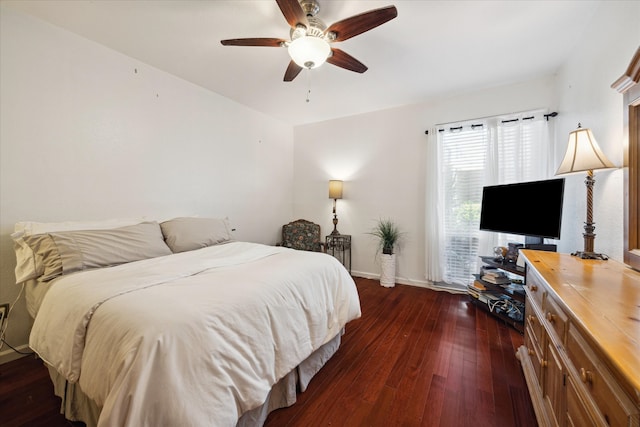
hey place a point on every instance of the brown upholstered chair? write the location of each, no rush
(302, 235)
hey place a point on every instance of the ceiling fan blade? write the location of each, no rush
(358, 24)
(346, 61)
(293, 12)
(292, 71)
(268, 42)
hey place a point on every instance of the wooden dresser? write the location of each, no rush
(581, 354)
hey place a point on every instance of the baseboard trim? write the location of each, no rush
(9, 355)
(411, 282)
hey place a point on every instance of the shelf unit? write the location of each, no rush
(339, 246)
(493, 291)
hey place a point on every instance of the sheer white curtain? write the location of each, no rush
(462, 158)
(433, 211)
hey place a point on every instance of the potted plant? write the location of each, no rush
(388, 235)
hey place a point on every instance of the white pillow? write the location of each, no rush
(26, 264)
(65, 252)
(188, 233)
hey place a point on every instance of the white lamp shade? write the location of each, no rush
(309, 51)
(335, 189)
(583, 154)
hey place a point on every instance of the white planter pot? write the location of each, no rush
(388, 270)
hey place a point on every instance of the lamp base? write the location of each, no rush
(590, 255)
(335, 231)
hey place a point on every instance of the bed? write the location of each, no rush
(175, 323)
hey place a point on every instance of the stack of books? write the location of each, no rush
(479, 291)
(496, 277)
(477, 287)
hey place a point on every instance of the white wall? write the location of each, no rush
(88, 133)
(381, 155)
(585, 96)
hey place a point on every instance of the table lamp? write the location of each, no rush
(584, 154)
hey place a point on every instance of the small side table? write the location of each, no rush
(339, 246)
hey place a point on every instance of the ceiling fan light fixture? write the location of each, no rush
(310, 38)
(309, 51)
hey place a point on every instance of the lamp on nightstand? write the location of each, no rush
(335, 193)
(584, 154)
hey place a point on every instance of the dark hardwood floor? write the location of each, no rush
(416, 358)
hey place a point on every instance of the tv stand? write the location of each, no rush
(509, 266)
(533, 240)
(486, 295)
(543, 247)
(537, 244)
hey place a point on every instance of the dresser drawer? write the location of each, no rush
(533, 323)
(534, 351)
(556, 318)
(535, 287)
(615, 408)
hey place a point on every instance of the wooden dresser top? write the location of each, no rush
(603, 298)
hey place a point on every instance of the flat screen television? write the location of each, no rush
(531, 209)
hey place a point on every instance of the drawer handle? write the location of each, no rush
(586, 376)
(531, 352)
(544, 363)
(532, 318)
(550, 317)
(533, 288)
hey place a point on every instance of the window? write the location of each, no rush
(471, 155)
(462, 155)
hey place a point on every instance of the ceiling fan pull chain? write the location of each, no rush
(308, 85)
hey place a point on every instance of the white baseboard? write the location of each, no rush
(411, 282)
(8, 355)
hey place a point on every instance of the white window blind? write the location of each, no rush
(499, 150)
(463, 156)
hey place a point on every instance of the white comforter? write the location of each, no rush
(196, 338)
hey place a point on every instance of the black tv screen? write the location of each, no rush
(527, 208)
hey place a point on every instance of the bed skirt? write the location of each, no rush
(76, 406)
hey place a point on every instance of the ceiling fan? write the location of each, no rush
(309, 46)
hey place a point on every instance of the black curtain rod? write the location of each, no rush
(546, 116)
(516, 120)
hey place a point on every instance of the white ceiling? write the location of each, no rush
(432, 49)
